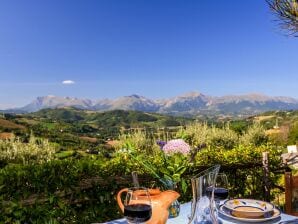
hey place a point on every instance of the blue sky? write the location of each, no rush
(155, 48)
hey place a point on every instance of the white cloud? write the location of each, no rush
(68, 82)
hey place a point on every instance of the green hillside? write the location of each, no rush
(115, 118)
(80, 129)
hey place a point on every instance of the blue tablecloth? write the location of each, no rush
(186, 210)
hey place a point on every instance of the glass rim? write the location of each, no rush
(212, 169)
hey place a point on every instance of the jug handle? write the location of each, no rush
(119, 201)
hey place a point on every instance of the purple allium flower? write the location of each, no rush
(161, 143)
(175, 146)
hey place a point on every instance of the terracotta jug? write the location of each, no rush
(160, 202)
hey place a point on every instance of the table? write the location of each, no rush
(185, 210)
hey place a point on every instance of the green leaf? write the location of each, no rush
(171, 169)
(51, 199)
(183, 186)
(61, 204)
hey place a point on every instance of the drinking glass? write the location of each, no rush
(221, 191)
(137, 205)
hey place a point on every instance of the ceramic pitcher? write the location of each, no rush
(160, 201)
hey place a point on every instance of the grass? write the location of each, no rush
(65, 154)
(50, 126)
(28, 121)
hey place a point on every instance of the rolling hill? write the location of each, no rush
(72, 127)
(9, 125)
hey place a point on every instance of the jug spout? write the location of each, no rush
(160, 204)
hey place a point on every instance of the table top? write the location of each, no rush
(185, 211)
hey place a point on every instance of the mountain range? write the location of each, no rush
(193, 103)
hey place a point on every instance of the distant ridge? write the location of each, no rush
(56, 102)
(193, 103)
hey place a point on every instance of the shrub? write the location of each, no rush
(195, 133)
(57, 193)
(224, 137)
(200, 133)
(255, 135)
(35, 151)
(138, 140)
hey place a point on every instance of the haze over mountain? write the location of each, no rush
(192, 103)
(55, 102)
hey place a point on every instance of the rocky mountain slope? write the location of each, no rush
(192, 103)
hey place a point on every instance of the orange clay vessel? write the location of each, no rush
(160, 201)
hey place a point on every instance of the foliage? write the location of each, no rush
(65, 154)
(197, 134)
(35, 151)
(223, 146)
(239, 126)
(255, 135)
(224, 137)
(287, 13)
(56, 192)
(293, 135)
(139, 140)
(241, 155)
(167, 165)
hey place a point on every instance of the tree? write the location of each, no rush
(287, 13)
